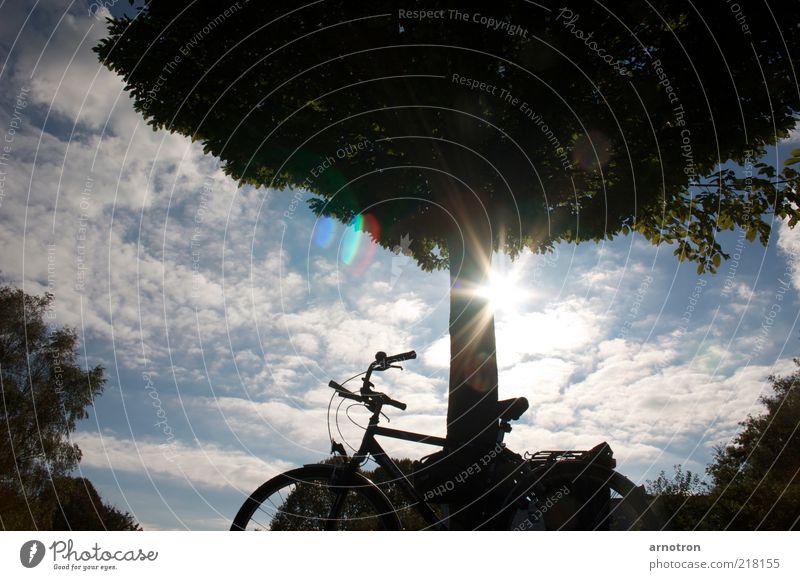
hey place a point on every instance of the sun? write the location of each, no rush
(503, 291)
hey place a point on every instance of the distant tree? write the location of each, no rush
(756, 479)
(307, 504)
(460, 137)
(681, 501)
(409, 518)
(78, 506)
(45, 393)
(682, 483)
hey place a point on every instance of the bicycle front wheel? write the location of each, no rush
(580, 496)
(309, 499)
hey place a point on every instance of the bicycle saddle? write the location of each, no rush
(511, 409)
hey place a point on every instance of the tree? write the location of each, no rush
(757, 477)
(755, 480)
(307, 504)
(681, 501)
(44, 394)
(78, 506)
(469, 128)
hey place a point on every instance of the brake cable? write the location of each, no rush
(328, 415)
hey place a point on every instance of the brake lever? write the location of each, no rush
(387, 367)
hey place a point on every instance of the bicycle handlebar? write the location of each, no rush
(369, 398)
(401, 357)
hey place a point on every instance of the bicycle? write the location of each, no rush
(538, 491)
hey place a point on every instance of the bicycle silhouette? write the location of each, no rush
(545, 490)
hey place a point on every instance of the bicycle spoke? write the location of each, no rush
(261, 509)
(263, 527)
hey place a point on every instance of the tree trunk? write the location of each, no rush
(471, 410)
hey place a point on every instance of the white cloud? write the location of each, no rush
(201, 465)
(437, 355)
(789, 246)
(568, 326)
(542, 380)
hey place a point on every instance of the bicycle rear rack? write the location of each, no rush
(600, 455)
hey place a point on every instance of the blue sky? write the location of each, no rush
(220, 320)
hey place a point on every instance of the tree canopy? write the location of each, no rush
(548, 123)
(45, 392)
(454, 129)
(757, 476)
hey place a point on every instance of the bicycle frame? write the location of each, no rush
(371, 447)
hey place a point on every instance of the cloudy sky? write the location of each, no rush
(220, 320)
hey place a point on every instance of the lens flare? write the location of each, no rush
(325, 232)
(358, 247)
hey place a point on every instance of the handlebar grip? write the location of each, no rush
(393, 403)
(340, 389)
(402, 356)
